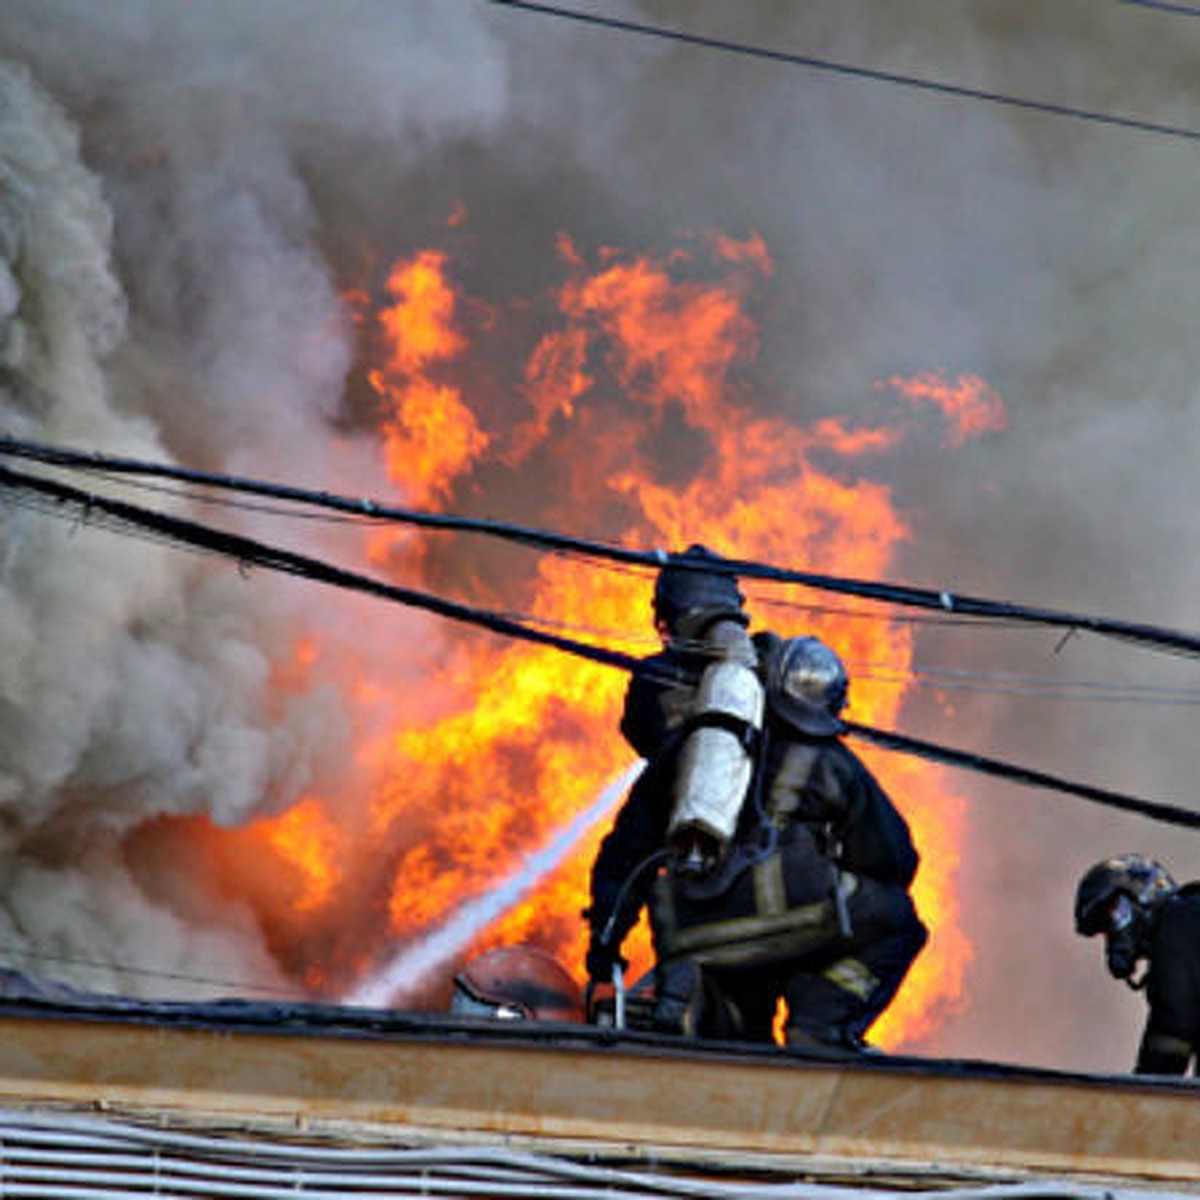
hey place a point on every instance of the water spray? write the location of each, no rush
(413, 964)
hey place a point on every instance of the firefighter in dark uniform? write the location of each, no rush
(808, 902)
(701, 619)
(1146, 918)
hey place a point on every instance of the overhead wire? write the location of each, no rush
(935, 752)
(1187, 10)
(252, 552)
(942, 601)
(367, 511)
(193, 495)
(248, 551)
(993, 684)
(196, 496)
(941, 678)
(817, 63)
(955, 620)
(10, 951)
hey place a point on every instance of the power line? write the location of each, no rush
(150, 972)
(988, 683)
(1186, 9)
(87, 506)
(943, 601)
(83, 505)
(194, 496)
(1167, 813)
(993, 684)
(849, 69)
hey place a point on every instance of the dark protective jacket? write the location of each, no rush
(825, 807)
(821, 783)
(658, 701)
(657, 704)
(817, 838)
(1172, 1034)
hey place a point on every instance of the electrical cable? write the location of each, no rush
(988, 683)
(192, 496)
(1167, 813)
(149, 972)
(998, 684)
(1187, 10)
(940, 600)
(854, 614)
(249, 551)
(822, 64)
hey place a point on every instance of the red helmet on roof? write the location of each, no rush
(517, 982)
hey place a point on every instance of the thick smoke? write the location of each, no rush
(185, 190)
(163, 294)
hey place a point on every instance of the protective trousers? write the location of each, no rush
(727, 956)
(834, 997)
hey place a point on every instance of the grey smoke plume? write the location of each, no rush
(167, 298)
(131, 684)
(184, 189)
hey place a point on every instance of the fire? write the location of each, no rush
(969, 405)
(635, 398)
(430, 435)
(305, 837)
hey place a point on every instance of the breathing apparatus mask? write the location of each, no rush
(1125, 938)
(1119, 898)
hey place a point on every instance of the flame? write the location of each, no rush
(969, 405)
(305, 837)
(430, 435)
(635, 408)
(526, 734)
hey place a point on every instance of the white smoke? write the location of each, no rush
(135, 680)
(184, 187)
(131, 684)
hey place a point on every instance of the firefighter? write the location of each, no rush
(808, 904)
(700, 617)
(1147, 919)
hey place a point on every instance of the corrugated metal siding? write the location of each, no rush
(63, 1156)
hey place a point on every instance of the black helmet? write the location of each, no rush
(680, 589)
(806, 682)
(1144, 881)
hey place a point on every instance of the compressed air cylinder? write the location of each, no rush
(715, 764)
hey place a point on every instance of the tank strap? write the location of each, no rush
(790, 781)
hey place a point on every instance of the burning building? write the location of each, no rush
(417, 253)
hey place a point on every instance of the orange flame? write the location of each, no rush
(969, 405)
(305, 837)
(431, 436)
(636, 393)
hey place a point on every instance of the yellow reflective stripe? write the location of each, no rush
(818, 917)
(1166, 1043)
(770, 894)
(790, 780)
(852, 975)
